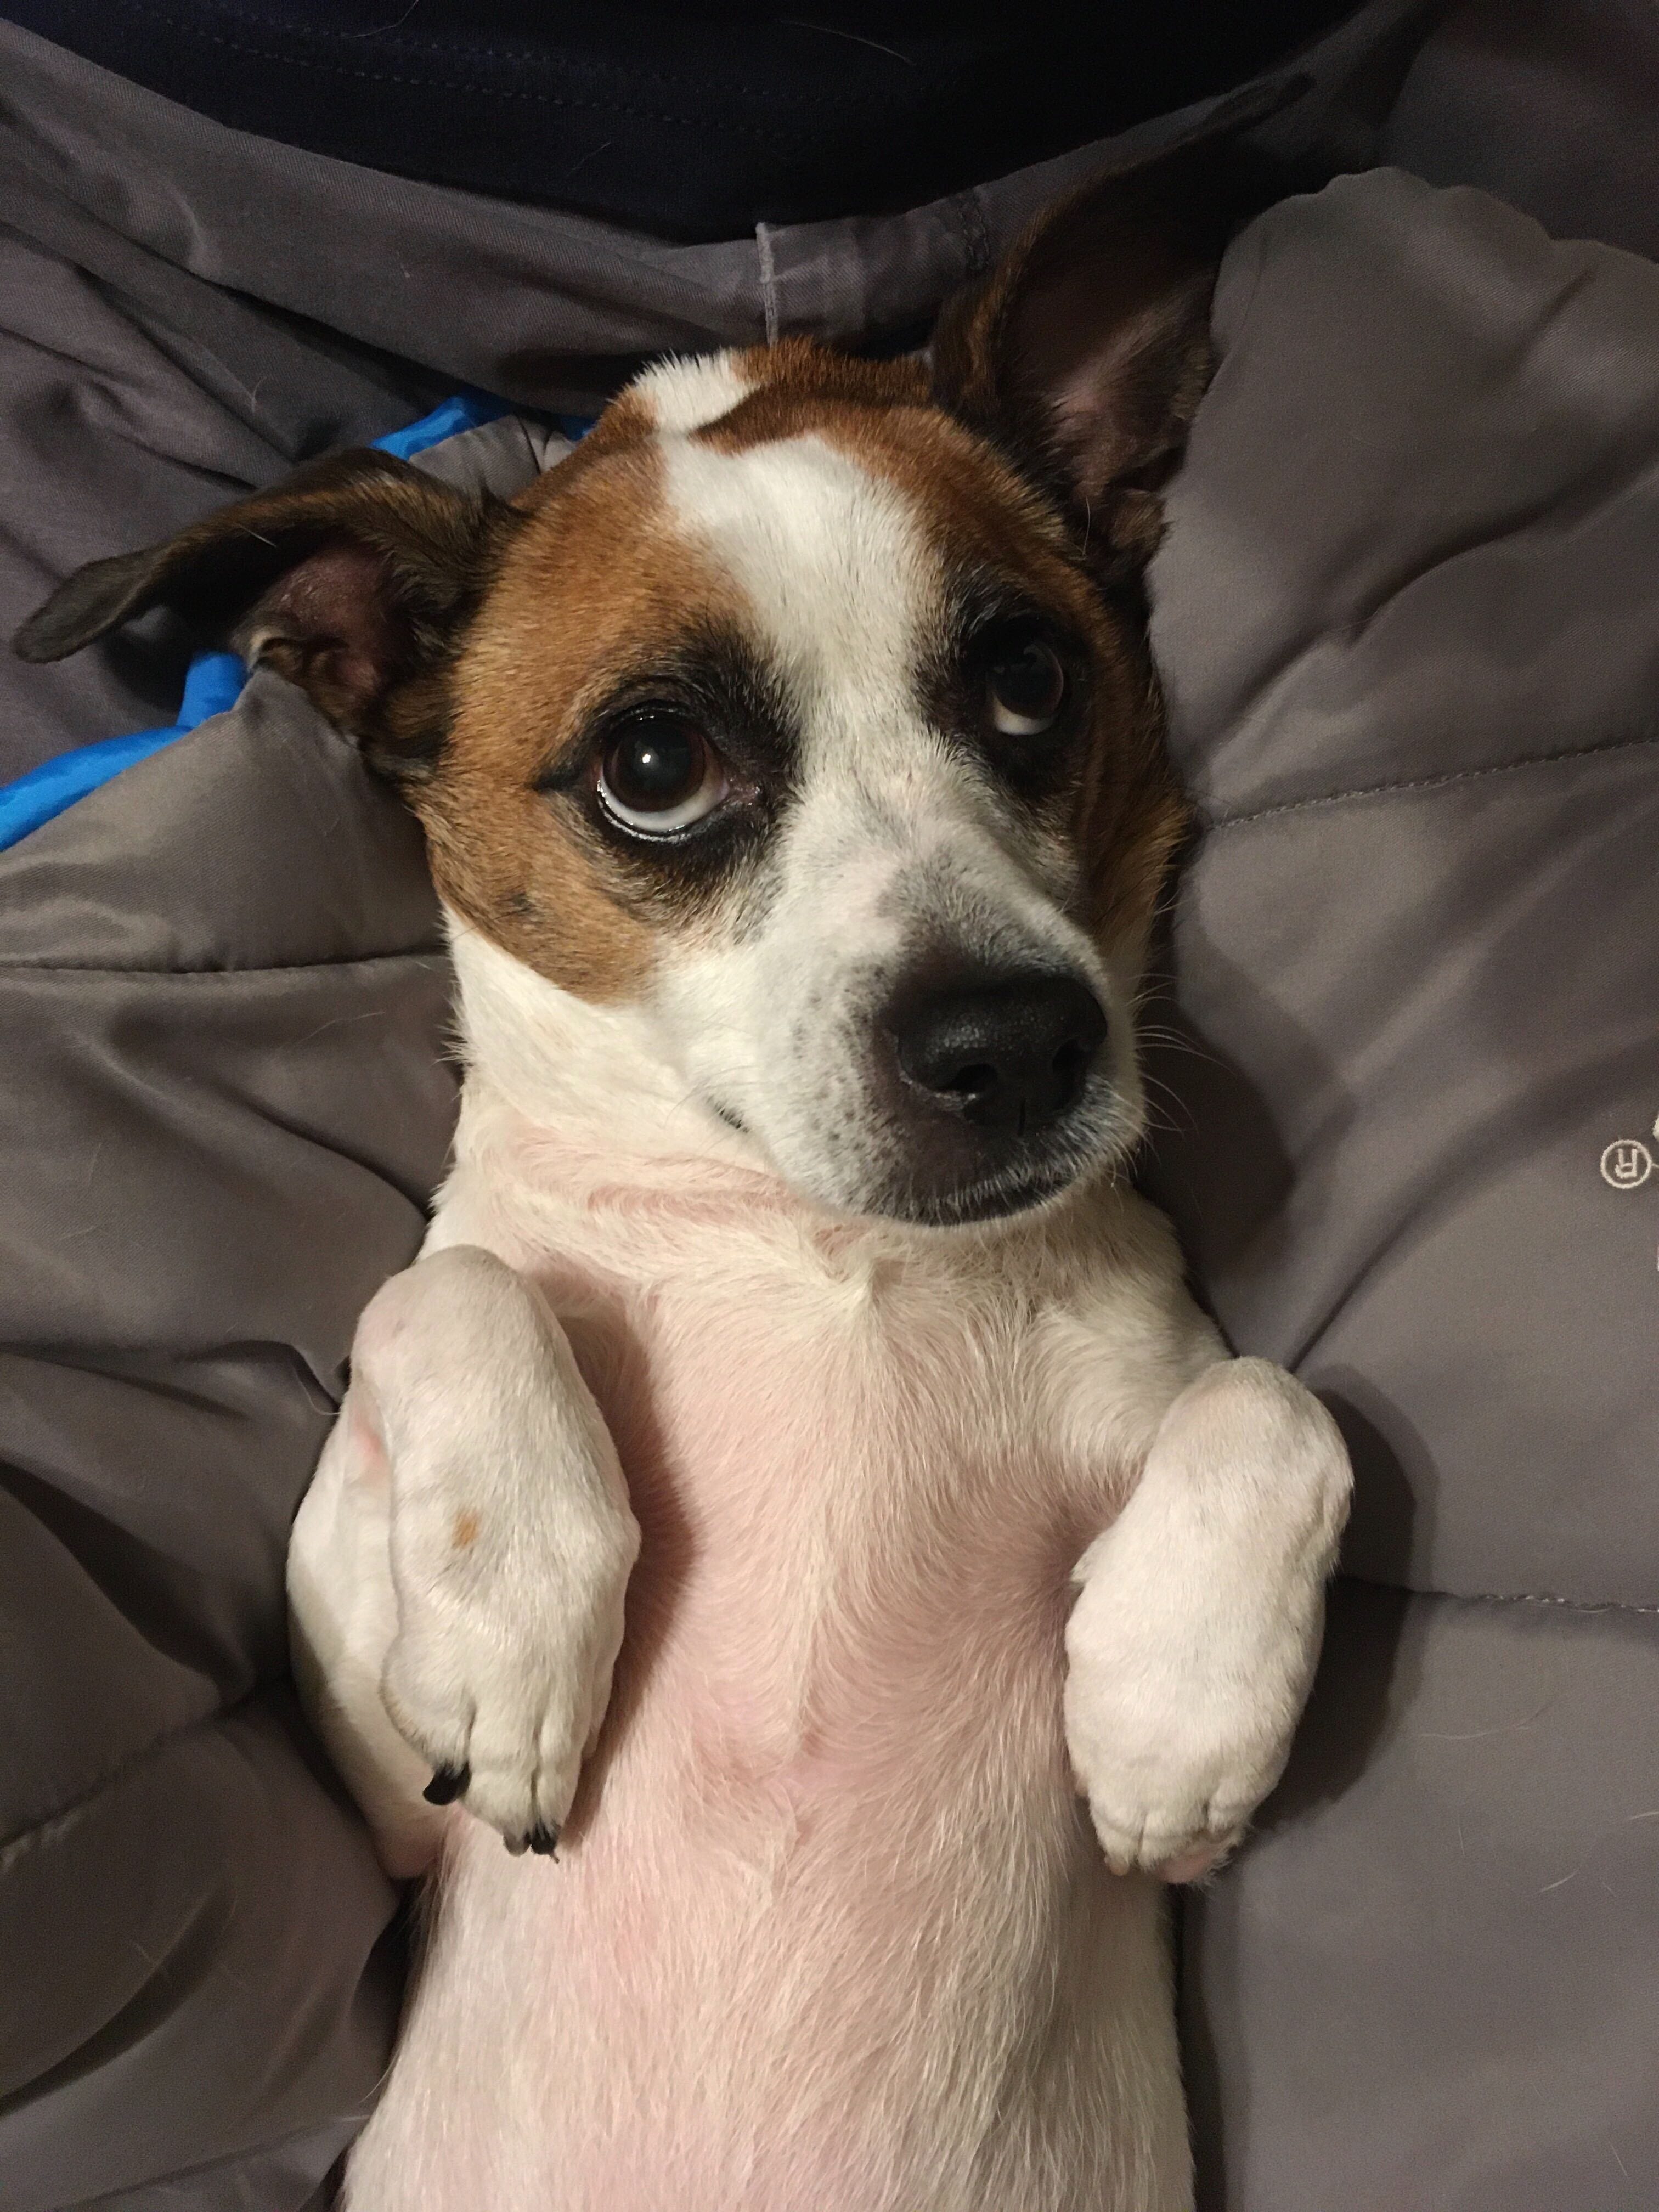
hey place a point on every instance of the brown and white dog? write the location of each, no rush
(794, 1471)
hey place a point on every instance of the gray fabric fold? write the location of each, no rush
(222, 1002)
(1407, 626)
(235, 1989)
(1432, 1984)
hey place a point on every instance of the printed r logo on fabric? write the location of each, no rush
(1627, 1164)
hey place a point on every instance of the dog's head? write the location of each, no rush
(805, 711)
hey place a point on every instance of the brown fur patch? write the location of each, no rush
(801, 369)
(596, 587)
(464, 1534)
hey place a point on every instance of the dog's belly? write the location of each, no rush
(828, 1926)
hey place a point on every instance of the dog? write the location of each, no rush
(793, 1499)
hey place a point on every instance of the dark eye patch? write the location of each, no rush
(708, 702)
(1010, 680)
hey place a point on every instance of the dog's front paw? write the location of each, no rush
(1172, 1758)
(1191, 1644)
(500, 1673)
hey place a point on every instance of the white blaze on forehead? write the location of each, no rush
(683, 395)
(841, 584)
(831, 559)
(896, 846)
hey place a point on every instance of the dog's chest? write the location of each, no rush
(827, 1880)
(858, 1520)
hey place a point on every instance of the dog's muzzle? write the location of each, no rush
(986, 1076)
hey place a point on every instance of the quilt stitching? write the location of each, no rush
(1432, 782)
(1508, 1597)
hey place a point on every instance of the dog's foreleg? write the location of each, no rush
(1196, 1628)
(457, 1568)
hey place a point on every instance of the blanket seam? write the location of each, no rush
(1506, 1597)
(1215, 821)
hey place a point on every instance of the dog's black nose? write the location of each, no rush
(1009, 1053)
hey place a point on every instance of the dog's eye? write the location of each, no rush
(659, 774)
(1025, 682)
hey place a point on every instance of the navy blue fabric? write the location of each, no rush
(693, 122)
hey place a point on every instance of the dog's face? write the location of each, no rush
(793, 720)
(805, 712)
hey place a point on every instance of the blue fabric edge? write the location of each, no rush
(215, 680)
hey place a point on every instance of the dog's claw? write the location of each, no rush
(543, 1839)
(448, 1783)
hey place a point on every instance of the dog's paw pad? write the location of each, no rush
(1195, 1864)
(1176, 1847)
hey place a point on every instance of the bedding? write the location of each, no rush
(1407, 619)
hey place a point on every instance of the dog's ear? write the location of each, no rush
(1085, 354)
(354, 579)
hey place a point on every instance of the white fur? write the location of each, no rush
(682, 395)
(438, 1516)
(1191, 1647)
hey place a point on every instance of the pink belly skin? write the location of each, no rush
(829, 1928)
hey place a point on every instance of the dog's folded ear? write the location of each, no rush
(1085, 354)
(354, 579)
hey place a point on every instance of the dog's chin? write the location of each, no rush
(968, 1205)
(1029, 1189)
(916, 1193)
(935, 1194)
